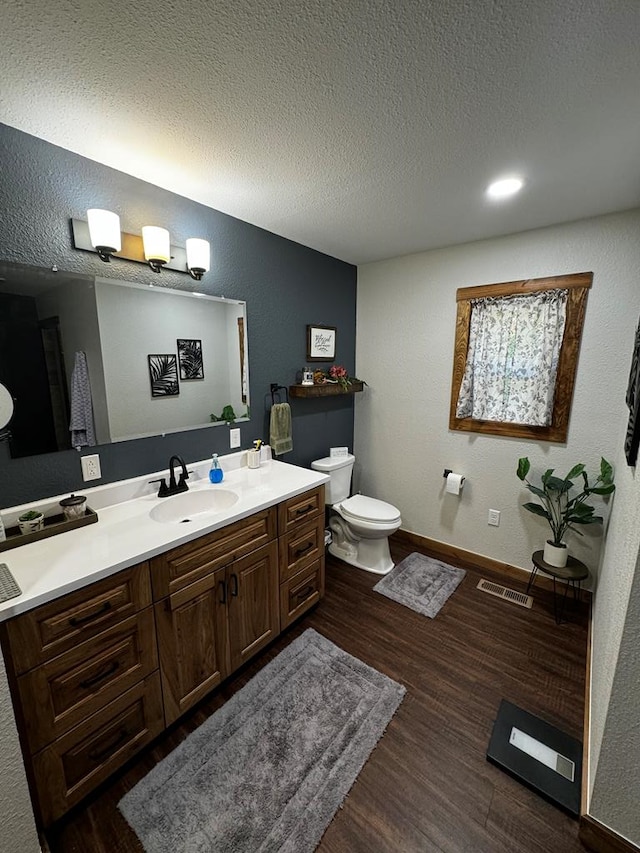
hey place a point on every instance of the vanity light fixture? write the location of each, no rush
(198, 257)
(157, 246)
(104, 232)
(100, 233)
(504, 188)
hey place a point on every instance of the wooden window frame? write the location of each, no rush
(578, 285)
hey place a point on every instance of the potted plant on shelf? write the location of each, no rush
(562, 510)
(31, 521)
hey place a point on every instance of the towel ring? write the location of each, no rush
(275, 393)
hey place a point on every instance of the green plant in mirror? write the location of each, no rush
(227, 415)
(562, 510)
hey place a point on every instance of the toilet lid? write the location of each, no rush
(370, 509)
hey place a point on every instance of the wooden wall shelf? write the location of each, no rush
(323, 390)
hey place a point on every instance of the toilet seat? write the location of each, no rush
(362, 508)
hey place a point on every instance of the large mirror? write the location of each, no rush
(136, 360)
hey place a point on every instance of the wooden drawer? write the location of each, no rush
(72, 766)
(194, 560)
(301, 546)
(299, 509)
(299, 593)
(49, 630)
(62, 692)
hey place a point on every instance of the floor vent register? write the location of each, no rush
(505, 593)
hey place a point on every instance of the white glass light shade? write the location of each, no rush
(504, 188)
(156, 242)
(104, 230)
(198, 256)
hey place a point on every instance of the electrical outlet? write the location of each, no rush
(494, 518)
(234, 438)
(91, 467)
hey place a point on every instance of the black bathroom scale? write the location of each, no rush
(539, 755)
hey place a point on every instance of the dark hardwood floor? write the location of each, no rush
(427, 785)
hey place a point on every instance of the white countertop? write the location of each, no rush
(125, 534)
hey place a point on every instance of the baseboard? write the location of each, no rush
(586, 726)
(600, 839)
(469, 560)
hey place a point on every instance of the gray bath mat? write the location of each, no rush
(421, 583)
(269, 769)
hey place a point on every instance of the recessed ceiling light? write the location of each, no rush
(504, 187)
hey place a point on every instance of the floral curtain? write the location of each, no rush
(512, 359)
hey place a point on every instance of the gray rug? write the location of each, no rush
(421, 583)
(269, 769)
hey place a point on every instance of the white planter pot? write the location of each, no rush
(555, 555)
(31, 525)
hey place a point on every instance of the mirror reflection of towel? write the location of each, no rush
(280, 429)
(81, 427)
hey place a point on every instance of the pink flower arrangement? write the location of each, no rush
(338, 372)
(336, 375)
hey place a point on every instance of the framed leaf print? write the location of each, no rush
(190, 358)
(163, 374)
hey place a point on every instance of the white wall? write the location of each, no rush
(616, 781)
(18, 830)
(405, 340)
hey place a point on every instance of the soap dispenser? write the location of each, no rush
(215, 472)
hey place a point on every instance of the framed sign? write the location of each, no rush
(321, 343)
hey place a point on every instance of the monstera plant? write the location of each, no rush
(563, 503)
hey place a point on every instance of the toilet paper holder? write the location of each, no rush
(456, 487)
(448, 471)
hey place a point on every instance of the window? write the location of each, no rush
(516, 356)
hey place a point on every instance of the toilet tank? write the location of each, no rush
(339, 469)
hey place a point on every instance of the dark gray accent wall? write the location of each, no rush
(286, 286)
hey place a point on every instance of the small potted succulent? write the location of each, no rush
(31, 521)
(562, 510)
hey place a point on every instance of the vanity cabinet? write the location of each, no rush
(84, 670)
(98, 673)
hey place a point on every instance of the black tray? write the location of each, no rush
(53, 524)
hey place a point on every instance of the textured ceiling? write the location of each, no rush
(366, 130)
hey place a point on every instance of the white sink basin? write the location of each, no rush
(187, 506)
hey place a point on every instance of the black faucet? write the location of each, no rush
(173, 488)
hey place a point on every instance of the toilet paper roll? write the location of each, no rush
(455, 482)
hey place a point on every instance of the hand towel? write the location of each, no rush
(81, 425)
(280, 429)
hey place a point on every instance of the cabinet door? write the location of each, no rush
(254, 613)
(73, 765)
(182, 566)
(53, 628)
(192, 639)
(301, 592)
(299, 509)
(300, 547)
(64, 691)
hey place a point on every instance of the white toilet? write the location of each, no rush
(360, 526)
